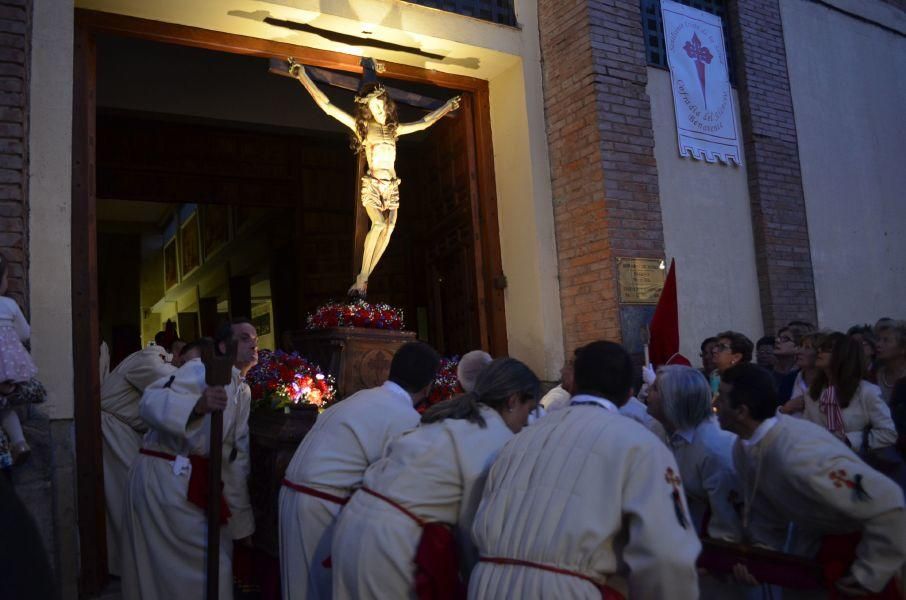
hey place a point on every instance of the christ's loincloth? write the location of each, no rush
(382, 194)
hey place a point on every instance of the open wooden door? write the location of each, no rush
(459, 270)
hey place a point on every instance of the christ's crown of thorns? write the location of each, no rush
(378, 90)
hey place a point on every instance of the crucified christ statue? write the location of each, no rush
(375, 128)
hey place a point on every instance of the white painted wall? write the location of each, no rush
(527, 243)
(848, 82)
(707, 229)
(50, 201)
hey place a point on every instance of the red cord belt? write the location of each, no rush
(421, 522)
(607, 592)
(303, 489)
(198, 482)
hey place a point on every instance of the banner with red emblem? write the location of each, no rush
(702, 97)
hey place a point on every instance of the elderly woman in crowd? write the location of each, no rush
(423, 494)
(680, 398)
(842, 401)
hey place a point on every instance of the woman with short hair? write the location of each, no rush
(425, 491)
(731, 349)
(681, 399)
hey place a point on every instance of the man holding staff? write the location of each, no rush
(164, 520)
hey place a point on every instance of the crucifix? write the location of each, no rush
(374, 128)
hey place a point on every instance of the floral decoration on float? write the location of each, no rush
(446, 384)
(282, 380)
(356, 313)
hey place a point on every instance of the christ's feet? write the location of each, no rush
(359, 289)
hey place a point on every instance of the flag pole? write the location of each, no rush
(646, 338)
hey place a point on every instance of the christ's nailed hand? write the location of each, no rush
(212, 399)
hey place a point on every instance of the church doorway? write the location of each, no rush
(205, 188)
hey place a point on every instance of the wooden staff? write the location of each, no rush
(218, 371)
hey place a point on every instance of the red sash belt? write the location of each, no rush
(436, 558)
(607, 592)
(198, 482)
(302, 489)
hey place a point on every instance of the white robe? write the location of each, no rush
(347, 438)
(556, 399)
(164, 535)
(798, 472)
(437, 472)
(590, 491)
(121, 431)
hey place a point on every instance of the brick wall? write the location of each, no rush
(604, 175)
(14, 28)
(782, 249)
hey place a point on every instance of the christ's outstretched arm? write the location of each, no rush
(431, 118)
(298, 71)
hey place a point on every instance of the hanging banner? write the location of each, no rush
(702, 98)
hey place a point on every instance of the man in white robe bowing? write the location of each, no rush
(165, 520)
(586, 503)
(122, 429)
(846, 514)
(330, 464)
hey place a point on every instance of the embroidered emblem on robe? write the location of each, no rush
(840, 480)
(672, 478)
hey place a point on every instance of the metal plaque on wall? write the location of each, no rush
(641, 279)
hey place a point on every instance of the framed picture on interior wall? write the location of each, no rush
(215, 228)
(189, 245)
(171, 270)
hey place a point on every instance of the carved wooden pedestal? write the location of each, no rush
(274, 439)
(359, 358)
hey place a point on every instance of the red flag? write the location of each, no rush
(664, 329)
